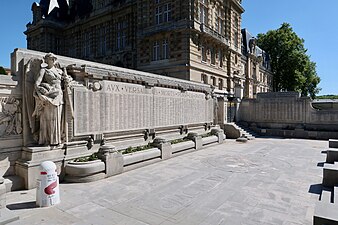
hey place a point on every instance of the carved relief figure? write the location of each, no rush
(10, 116)
(49, 102)
(47, 91)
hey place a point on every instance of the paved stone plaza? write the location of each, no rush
(265, 181)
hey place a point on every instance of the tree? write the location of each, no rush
(2, 70)
(292, 68)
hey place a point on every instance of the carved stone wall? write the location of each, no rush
(122, 106)
(10, 124)
(287, 110)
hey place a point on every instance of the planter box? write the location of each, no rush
(209, 140)
(81, 172)
(182, 146)
(141, 156)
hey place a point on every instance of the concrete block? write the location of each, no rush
(197, 139)
(330, 175)
(333, 143)
(198, 143)
(332, 155)
(114, 164)
(166, 150)
(219, 133)
(164, 146)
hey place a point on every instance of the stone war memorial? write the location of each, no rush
(60, 109)
(286, 114)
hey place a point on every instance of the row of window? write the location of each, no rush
(163, 13)
(219, 19)
(102, 38)
(160, 50)
(213, 81)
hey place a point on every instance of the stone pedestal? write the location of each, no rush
(28, 166)
(219, 133)
(164, 146)
(113, 160)
(6, 216)
(197, 139)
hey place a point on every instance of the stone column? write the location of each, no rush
(197, 139)
(164, 146)
(112, 158)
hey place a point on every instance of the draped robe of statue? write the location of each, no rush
(48, 107)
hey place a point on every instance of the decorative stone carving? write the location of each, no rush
(47, 90)
(10, 117)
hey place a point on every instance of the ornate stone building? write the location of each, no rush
(197, 40)
(256, 67)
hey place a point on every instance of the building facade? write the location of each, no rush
(197, 40)
(256, 67)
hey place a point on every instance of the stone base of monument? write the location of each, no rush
(333, 143)
(6, 216)
(28, 166)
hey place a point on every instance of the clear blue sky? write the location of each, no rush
(314, 21)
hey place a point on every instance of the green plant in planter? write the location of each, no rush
(176, 141)
(206, 135)
(92, 157)
(136, 149)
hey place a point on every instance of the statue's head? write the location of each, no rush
(50, 59)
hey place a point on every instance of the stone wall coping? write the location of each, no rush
(103, 71)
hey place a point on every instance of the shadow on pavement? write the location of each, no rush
(22, 205)
(316, 189)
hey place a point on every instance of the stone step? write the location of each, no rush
(247, 131)
(335, 195)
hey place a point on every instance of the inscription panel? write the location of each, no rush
(122, 106)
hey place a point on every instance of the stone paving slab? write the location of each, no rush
(266, 181)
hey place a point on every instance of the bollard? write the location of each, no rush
(47, 191)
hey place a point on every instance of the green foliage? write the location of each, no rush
(2, 70)
(292, 68)
(136, 149)
(92, 157)
(178, 141)
(327, 97)
(206, 135)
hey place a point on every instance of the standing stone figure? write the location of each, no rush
(49, 102)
